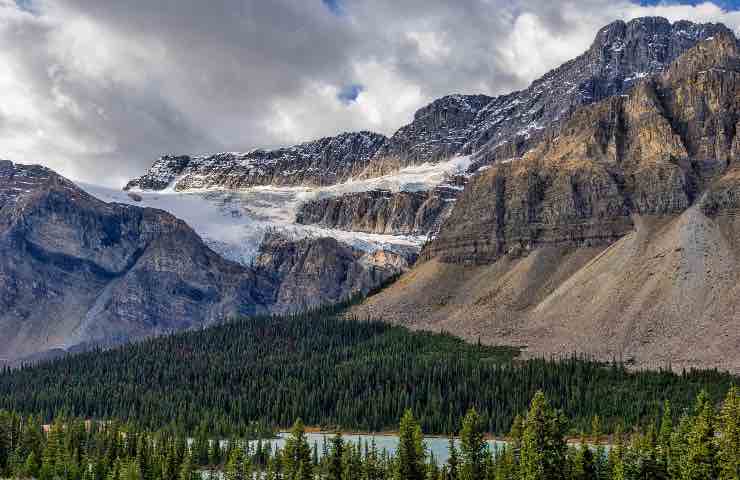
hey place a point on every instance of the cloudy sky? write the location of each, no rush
(98, 88)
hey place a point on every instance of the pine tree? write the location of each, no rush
(515, 439)
(473, 447)
(5, 440)
(186, 468)
(505, 464)
(410, 454)
(584, 467)
(234, 466)
(453, 473)
(701, 455)
(543, 442)
(729, 437)
(664, 436)
(297, 463)
(335, 458)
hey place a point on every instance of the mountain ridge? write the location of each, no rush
(488, 127)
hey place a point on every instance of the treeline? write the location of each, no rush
(359, 375)
(703, 445)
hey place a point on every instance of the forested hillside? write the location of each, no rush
(336, 373)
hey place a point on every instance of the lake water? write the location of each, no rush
(436, 445)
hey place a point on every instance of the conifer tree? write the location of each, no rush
(186, 468)
(335, 458)
(663, 447)
(543, 442)
(234, 466)
(729, 437)
(410, 454)
(453, 472)
(701, 456)
(472, 447)
(297, 462)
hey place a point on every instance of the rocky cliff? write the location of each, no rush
(322, 162)
(652, 152)
(382, 211)
(75, 271)
(323, 268)
(616, 235)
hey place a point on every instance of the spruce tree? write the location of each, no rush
(335, 458)
(297, 462)
(543, 442)
(410, 455)
(453, 461)
(701, 456)
(729, 437)
(472, 447)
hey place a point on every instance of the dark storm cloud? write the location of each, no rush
(97, 89)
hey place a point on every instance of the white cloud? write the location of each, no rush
(97, 89)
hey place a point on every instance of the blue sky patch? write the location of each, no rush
(334, 6)
(26, 5)
(349, 93)
(726, 4)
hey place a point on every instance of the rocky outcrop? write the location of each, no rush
(322, 162)
(651, 152)
(323, 268)
(76, 271)
(437, 132)
(381, 211)
(617, 236)
(507, 126)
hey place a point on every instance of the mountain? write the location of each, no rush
(487, 127)
(506, 126)
(76, 271)
(478, 128)
(616, 235)
(564, 217)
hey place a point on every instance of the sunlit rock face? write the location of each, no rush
(652, 152)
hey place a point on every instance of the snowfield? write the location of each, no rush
(233, 223)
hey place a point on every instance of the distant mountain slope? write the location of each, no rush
(76, 271)
(617, 235)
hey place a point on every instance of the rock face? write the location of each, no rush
(322, 162)
(616, 236)
(507, 126)
(323, 268)
(75, 271)
(381, 211)
(651, 152)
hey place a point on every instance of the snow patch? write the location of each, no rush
(234, 223)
